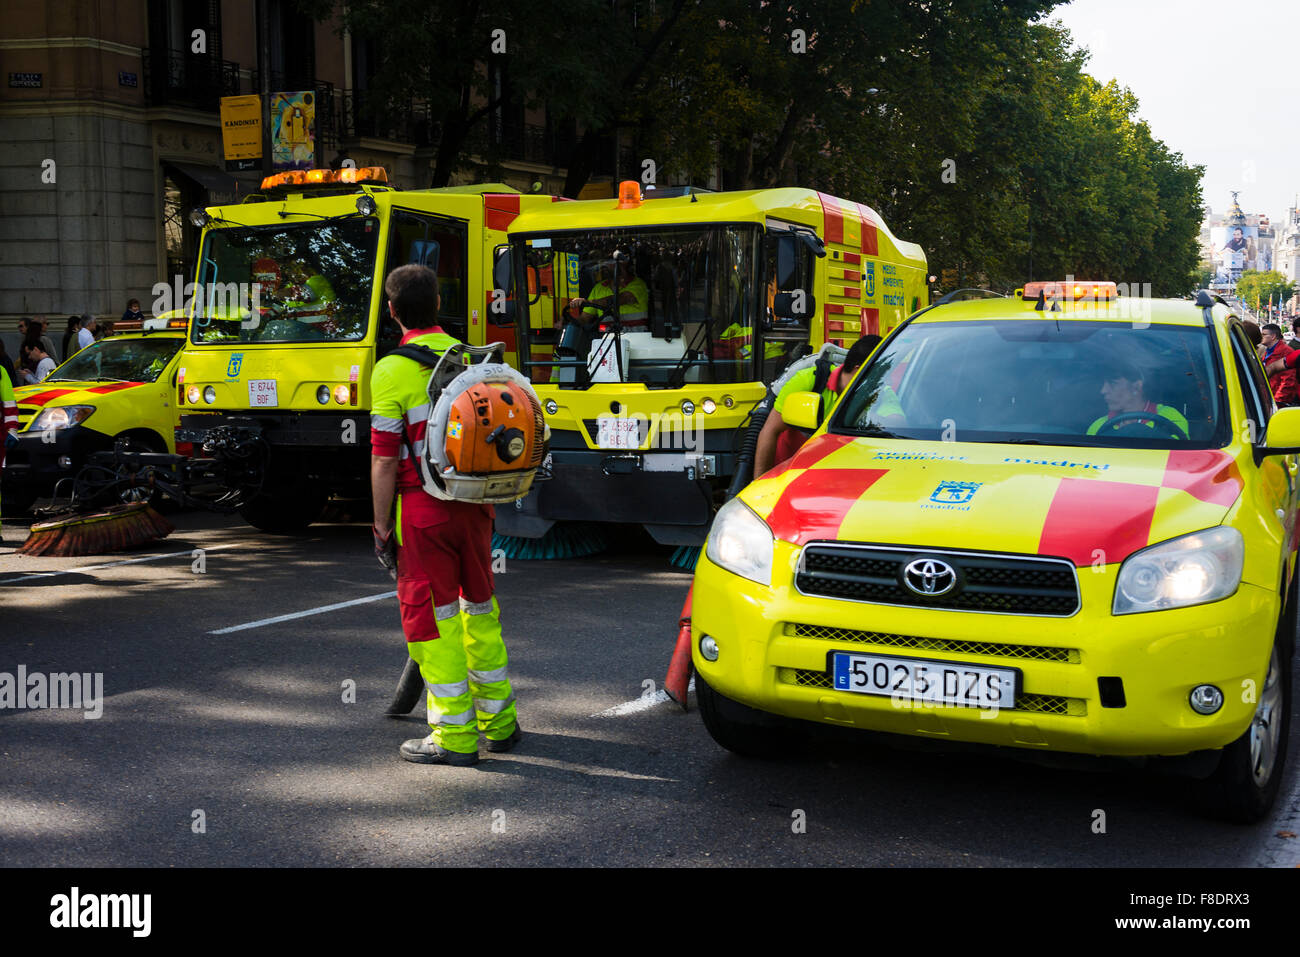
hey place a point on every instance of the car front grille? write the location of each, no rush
(1035, 703)
(952, 646)
(999, 584)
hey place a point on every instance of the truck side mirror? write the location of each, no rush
(799, 304)
(787, 260)
(501, 311)
(503, 268)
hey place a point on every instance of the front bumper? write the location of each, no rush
(775, 643)
(37, 464)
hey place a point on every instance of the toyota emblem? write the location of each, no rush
(929, 577)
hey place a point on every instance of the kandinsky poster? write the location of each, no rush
(293, 130)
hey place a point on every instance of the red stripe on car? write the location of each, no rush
(1090, 520)
(1204, 474)
(813, 506)
(114, 387)
(41, 398)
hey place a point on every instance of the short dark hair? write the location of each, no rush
(859, 351)
(1252, 331)
(1272, 327)
(1118, 368)
(413, 291)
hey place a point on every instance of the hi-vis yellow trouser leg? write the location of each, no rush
(453, 630)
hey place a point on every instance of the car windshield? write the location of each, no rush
(307, 282)
(120, 360)
(1085, 383)
(663, 306)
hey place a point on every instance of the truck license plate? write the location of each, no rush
(918, 679)
(617, 432)
(261, 394)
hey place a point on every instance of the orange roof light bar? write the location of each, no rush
(1079, 289)
(629, 194)
(349, 174)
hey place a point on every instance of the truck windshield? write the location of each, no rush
(119, 360)
(663, 306)
(1042, 382)
(307, 282)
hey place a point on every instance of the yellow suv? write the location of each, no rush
(1061, 522)
(121, 387)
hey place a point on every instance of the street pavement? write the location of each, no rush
(223, 745)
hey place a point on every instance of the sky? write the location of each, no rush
(1217, 81)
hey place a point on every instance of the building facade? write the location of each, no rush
(113, 134)
(1235, 241)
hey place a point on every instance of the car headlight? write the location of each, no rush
(62, 417)
(1191, 570)
(741, 543)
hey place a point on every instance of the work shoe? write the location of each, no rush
(506, 744)
(425, 751)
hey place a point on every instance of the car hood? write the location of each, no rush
(1089, 505)
(70, 393)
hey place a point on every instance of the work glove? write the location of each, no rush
(386, 550)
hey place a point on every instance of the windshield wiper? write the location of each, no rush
(875, 431)
(108, 379)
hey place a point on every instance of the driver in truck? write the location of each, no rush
(1123, 391)
(633, 297)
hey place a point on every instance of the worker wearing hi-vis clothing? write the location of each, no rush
(8, 417)
(1125, 401)
(633, 299)
(443, 551)
(777, 441)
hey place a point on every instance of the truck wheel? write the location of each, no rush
(1244, 786)
(740, 728)
(284, 513)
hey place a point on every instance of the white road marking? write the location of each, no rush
(128, 561)
(303, 614)
(643, 703)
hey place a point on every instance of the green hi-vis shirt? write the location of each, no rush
(803, 381)
(632, 313)
(1164, 411)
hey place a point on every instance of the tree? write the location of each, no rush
(464, 59)
(1257, 289)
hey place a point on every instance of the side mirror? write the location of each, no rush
(803, 409)
(503, 270)
(1282, 437)
(800, 304)
(786, 260)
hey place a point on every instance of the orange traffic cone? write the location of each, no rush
(679, 668)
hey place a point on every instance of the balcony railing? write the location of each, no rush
(186, 79)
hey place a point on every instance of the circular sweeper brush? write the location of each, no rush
(111, 530)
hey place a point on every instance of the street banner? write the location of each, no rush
(293, 130)
(241, 131)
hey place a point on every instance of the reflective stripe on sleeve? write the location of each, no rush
(385, 423)
(419, 413)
